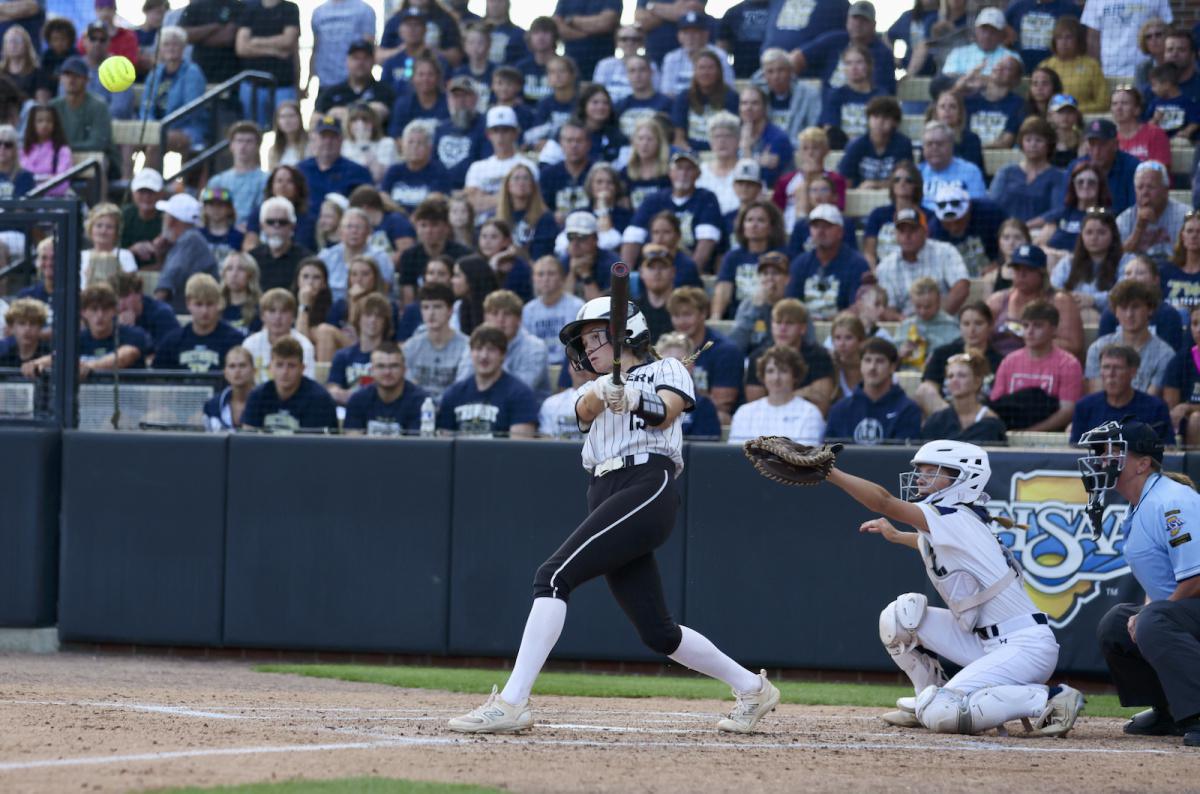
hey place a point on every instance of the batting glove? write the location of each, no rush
(617, 399)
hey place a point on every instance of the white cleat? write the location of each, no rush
(901, 719)
(495, 716)
(1061, 712)
(907, 704)
(751, 707)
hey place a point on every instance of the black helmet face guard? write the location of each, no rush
(576, 350)
(1103, 466)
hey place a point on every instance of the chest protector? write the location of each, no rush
(962, 591)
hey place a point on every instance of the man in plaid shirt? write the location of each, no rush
(920, 257)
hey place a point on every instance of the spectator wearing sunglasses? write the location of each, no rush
(1115, 166)
(278, 255)
(970, 225)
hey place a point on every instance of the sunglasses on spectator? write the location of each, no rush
(277, 222)
(98, 38)
(1085, 180)
(1155, 34)
(1098, 212)
(8, 144)
(898, 179)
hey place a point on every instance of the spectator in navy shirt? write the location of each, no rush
(997, 110)
(1118, 399)
(971, 225)
(98, 307)
(697, 209)
(201, 345)
(793, 23)
(134, 307)
(372, 320)
(790, 328)
(360, 86)
(1033, 22)
(562, 184)
(870, 159)
(459, 141)
(718, 371)
(508, 40)
(542, 40)
(327, 171)
(1115, 166)
(290, 401)
(410, 182)
(822, 57)
(877, 410)
(1166, 322)
(441, 30)
(391, 405)
(742, 32)
(708, 94)
(490, 401)
(1181, 384)
(643, 99)
(587, 28)
(828, 277)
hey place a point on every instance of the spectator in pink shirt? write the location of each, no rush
(45, 152)
(1037, 386)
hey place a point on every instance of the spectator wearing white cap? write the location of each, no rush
(986, 51)
(588, 265)
(485, 177)
(828, 277)
(1152, 225)
(972, 226)
(141, 222)
(188, 252)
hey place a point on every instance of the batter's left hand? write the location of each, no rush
(617, 399)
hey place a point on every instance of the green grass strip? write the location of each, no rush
(354, 785)
(630, 686)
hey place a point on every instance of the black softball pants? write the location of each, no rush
(632, 514)
(1161, 669)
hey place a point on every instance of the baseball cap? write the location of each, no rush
(328, 123)
(361, 45)
(992, 17)
(774, 260)
(1101, 129)
(96, 27)
(412, 12)
(862, 9)
(747, 170)
(502, 116)
(74, 65)
(686, 154)
(910, 216)
(182, 207)
(1140, 439)
(579, 222)
(105, 4)
(694, 19)
(146, 179)
(216, 194)
(1028, 255)
(1060, 101)
(827, 213)
(653, 252)
(951, 201)
(462, 83)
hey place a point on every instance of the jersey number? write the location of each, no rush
(636, 423)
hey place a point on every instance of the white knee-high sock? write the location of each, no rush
(996, 705)
(542, 628)
(698, 653)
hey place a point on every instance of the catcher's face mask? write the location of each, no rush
(925, 480)
(1103, 466)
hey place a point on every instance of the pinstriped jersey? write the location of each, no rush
(617, 435)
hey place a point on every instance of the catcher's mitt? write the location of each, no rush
(780, 459)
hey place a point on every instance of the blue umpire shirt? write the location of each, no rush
(1159, 545)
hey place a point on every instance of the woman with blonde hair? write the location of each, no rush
(791, 191)
(707, 95)
(291, 139)
(966, 418)
(950, 109)
(19, 63)
(1152, 41)
(365, 142)
(462, 219)
(241, 291)
(103, 229)
(649, 162)
(701, 423)
(521, 206)
(846, 335)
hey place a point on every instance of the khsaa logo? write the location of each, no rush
(1064, 566)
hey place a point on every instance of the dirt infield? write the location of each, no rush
(74, 722)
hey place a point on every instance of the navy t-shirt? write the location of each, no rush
(183, 348)
(1067, 221)
(91, 348)
(1094, 410)
(550, 111)
(505, 403)
(1181, 290)
(409, 188)
(535, 86)
(829, 288)
(700, 208)
(232, 315)
(846, 109)
(310, 407)
(745, 27)
(1034, 23)
(1177, 112)
(740, 268)
(157, 319)
(862, 162)
(824, 57)
(793, 23)
(694, 124)
(561, 191)
(409, 108)
(632, 111)
(718, 367)
(980, 241)
(820, 363)
(538, 238)
(1182, 374)
(702, 422)
(349, 366)
(341, 177)
(587, 51)
(457, 148)
(642, 189)
(989, 119)
(858, 418)
(367, 411)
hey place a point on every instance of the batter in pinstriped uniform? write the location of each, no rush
(632, 450)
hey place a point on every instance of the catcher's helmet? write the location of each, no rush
(968, 461)
(637, 332)
(1108, 445)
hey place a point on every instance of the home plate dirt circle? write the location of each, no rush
(74, 722)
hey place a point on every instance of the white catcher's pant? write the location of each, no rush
(1012, 669)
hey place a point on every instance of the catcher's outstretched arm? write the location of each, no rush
(877, 499)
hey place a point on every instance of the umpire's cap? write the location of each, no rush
(1140, 439)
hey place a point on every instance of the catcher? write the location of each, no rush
(991, 628)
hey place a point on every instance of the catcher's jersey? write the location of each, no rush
(617, 435)
(962, 542)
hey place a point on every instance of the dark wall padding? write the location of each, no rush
(517, 502)
(781, 576)
(338, 544)
(29, 494)
(143, 537)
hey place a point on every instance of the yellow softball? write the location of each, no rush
(117, 73)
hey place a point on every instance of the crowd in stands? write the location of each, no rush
(997, 242)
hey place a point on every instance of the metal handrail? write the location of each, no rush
(210, 96)
(66, 176)
(200, 159)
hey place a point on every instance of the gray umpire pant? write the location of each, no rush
(1162, 669)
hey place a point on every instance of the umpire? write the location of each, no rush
(1152, 649)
